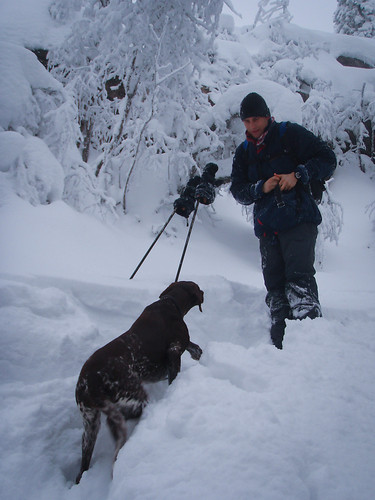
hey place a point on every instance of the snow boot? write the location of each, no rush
(306, 311)
(315, 312)
(277, 333)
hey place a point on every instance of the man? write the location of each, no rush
(273, 169)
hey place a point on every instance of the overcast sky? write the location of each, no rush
(314, 14)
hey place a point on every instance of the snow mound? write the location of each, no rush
(30, 166)
(21, 75)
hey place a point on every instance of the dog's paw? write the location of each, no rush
(194, 350)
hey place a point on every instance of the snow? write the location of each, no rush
(342, 78)
(247, 420)
(322, 61)
(317, 14)
(28, 164)
(284, 104)
(21, 75)
(28, 23)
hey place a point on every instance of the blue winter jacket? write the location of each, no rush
(294, 149)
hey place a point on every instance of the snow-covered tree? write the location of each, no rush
(133, 68)
(355, 17)
(272, 9)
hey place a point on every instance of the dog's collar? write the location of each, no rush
(164, 297)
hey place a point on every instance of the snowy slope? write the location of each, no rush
(245, 422)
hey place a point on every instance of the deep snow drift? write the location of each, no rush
(247, 421)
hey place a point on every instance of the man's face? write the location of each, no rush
(256, 125)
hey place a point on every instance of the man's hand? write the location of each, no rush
(271, 183)
(285, 181)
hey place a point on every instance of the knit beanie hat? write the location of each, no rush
(253, 105)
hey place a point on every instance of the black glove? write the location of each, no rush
(205, 191)
(184, 205)
(209, 171)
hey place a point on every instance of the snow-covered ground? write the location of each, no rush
(247, 420)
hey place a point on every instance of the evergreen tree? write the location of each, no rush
(355, 17)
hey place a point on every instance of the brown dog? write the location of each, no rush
(111, 380)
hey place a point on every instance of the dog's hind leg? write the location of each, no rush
(117, 425)
(91, 423)
(118, 414)
(133, 406)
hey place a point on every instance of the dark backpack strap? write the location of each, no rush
(315, 187)
(282, 128)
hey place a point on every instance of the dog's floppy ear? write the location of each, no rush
(200, 299)
(193, 290)
(198, 296)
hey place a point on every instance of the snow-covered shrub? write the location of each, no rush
(355, 17)
(370, 209)
(151, 51)
(61, 12)
(30, 167)
(272, 9)
(141, 94)
(354, 122)
(28, 94)
(40, 116)
(332, 223)
(22, 80)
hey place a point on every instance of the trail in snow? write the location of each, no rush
(247, 421)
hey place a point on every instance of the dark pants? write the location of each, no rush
(288, 271)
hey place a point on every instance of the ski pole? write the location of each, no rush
(208, 180)
(187, 241)
(152, 245)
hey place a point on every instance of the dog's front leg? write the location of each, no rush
(173, 361)
(194, 350)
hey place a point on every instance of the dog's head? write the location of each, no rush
(186, 293)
